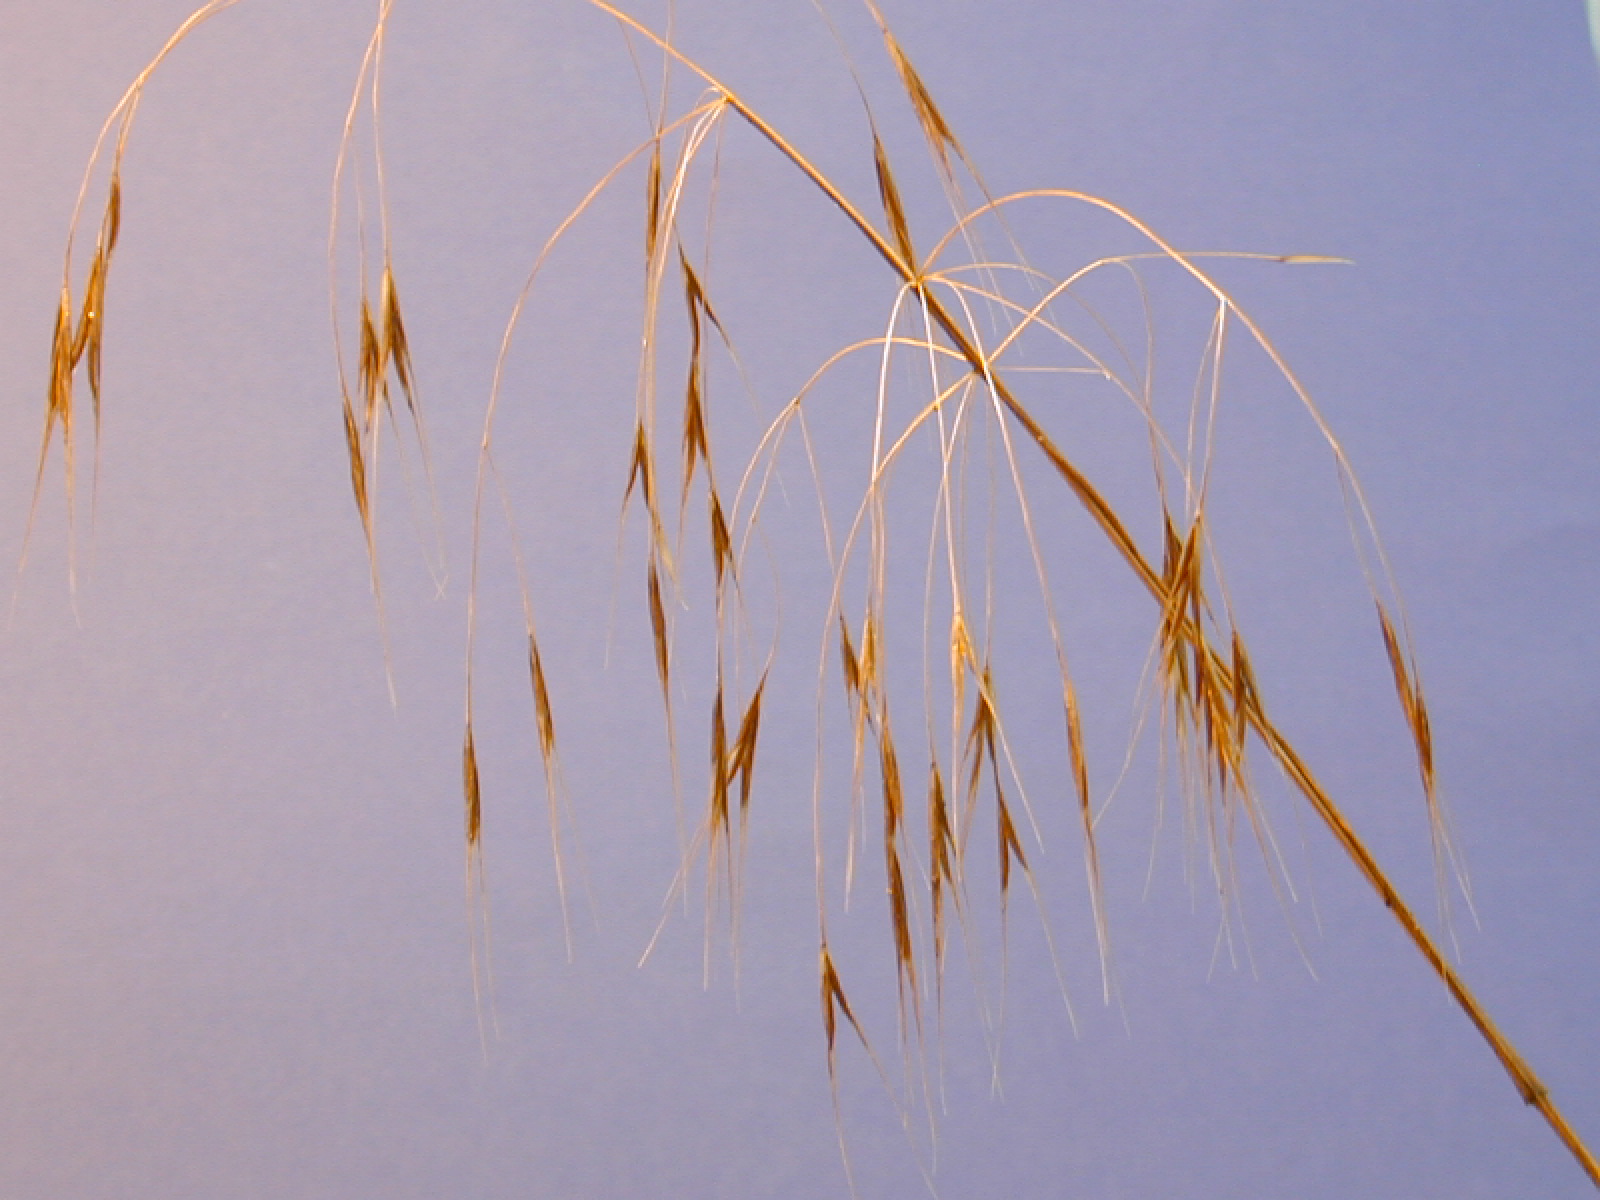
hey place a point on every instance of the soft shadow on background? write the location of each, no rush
(234, 956)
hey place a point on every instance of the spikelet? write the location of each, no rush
(893, 210)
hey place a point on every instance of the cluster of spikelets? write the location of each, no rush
(966, 326)
(80, 327)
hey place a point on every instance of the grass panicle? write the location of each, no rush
(994, 347)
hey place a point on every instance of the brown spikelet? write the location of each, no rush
(370, 367)
(652, 203)
(1171, 545)
(1010, 844)
(934, 127)
(639, 469)
(869, 660)
(93, 325)
(901, 922)
(981, 751)
(1416, 711)
(658, 625)
(469, 782)
(87, 340)
(696, 445)
(1179, 599)
(695, 293)
(1215, 717)
(941, 857)
(358, 469)
(396, 349)
(541, 704)
(80, 337)
(58, 401)
(1075, 752)
(962, 659)
(1179, 573)
(1091, 846)
(742, 762)
(833, 1003)
(893, 813)
(893, 210)
(851, 664)
(980, 741)
(1245, 697)
(889, 763)
(721, 540)
(720, 824)
(94, 289)
(111, 224)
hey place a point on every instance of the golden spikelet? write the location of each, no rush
(58, 400)
(358, 468)
(742, 761)
(369, 366)
(722, 557)
(849, 662)
(658, 628)
(695, 445)
(396, 349)
(893, 210)
(962, 659)
(639, 469)
(90, 338)
(934, 127)
(868, 663)
(980, 741)
(652, 202)
(835, 1002)
(469, 787)
(893, 814)
(1411, 702)
(942, 859)
(718, 821)
(1009, 844)
(543, 715)
(1245, 697)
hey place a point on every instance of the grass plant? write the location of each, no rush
(978, 351)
